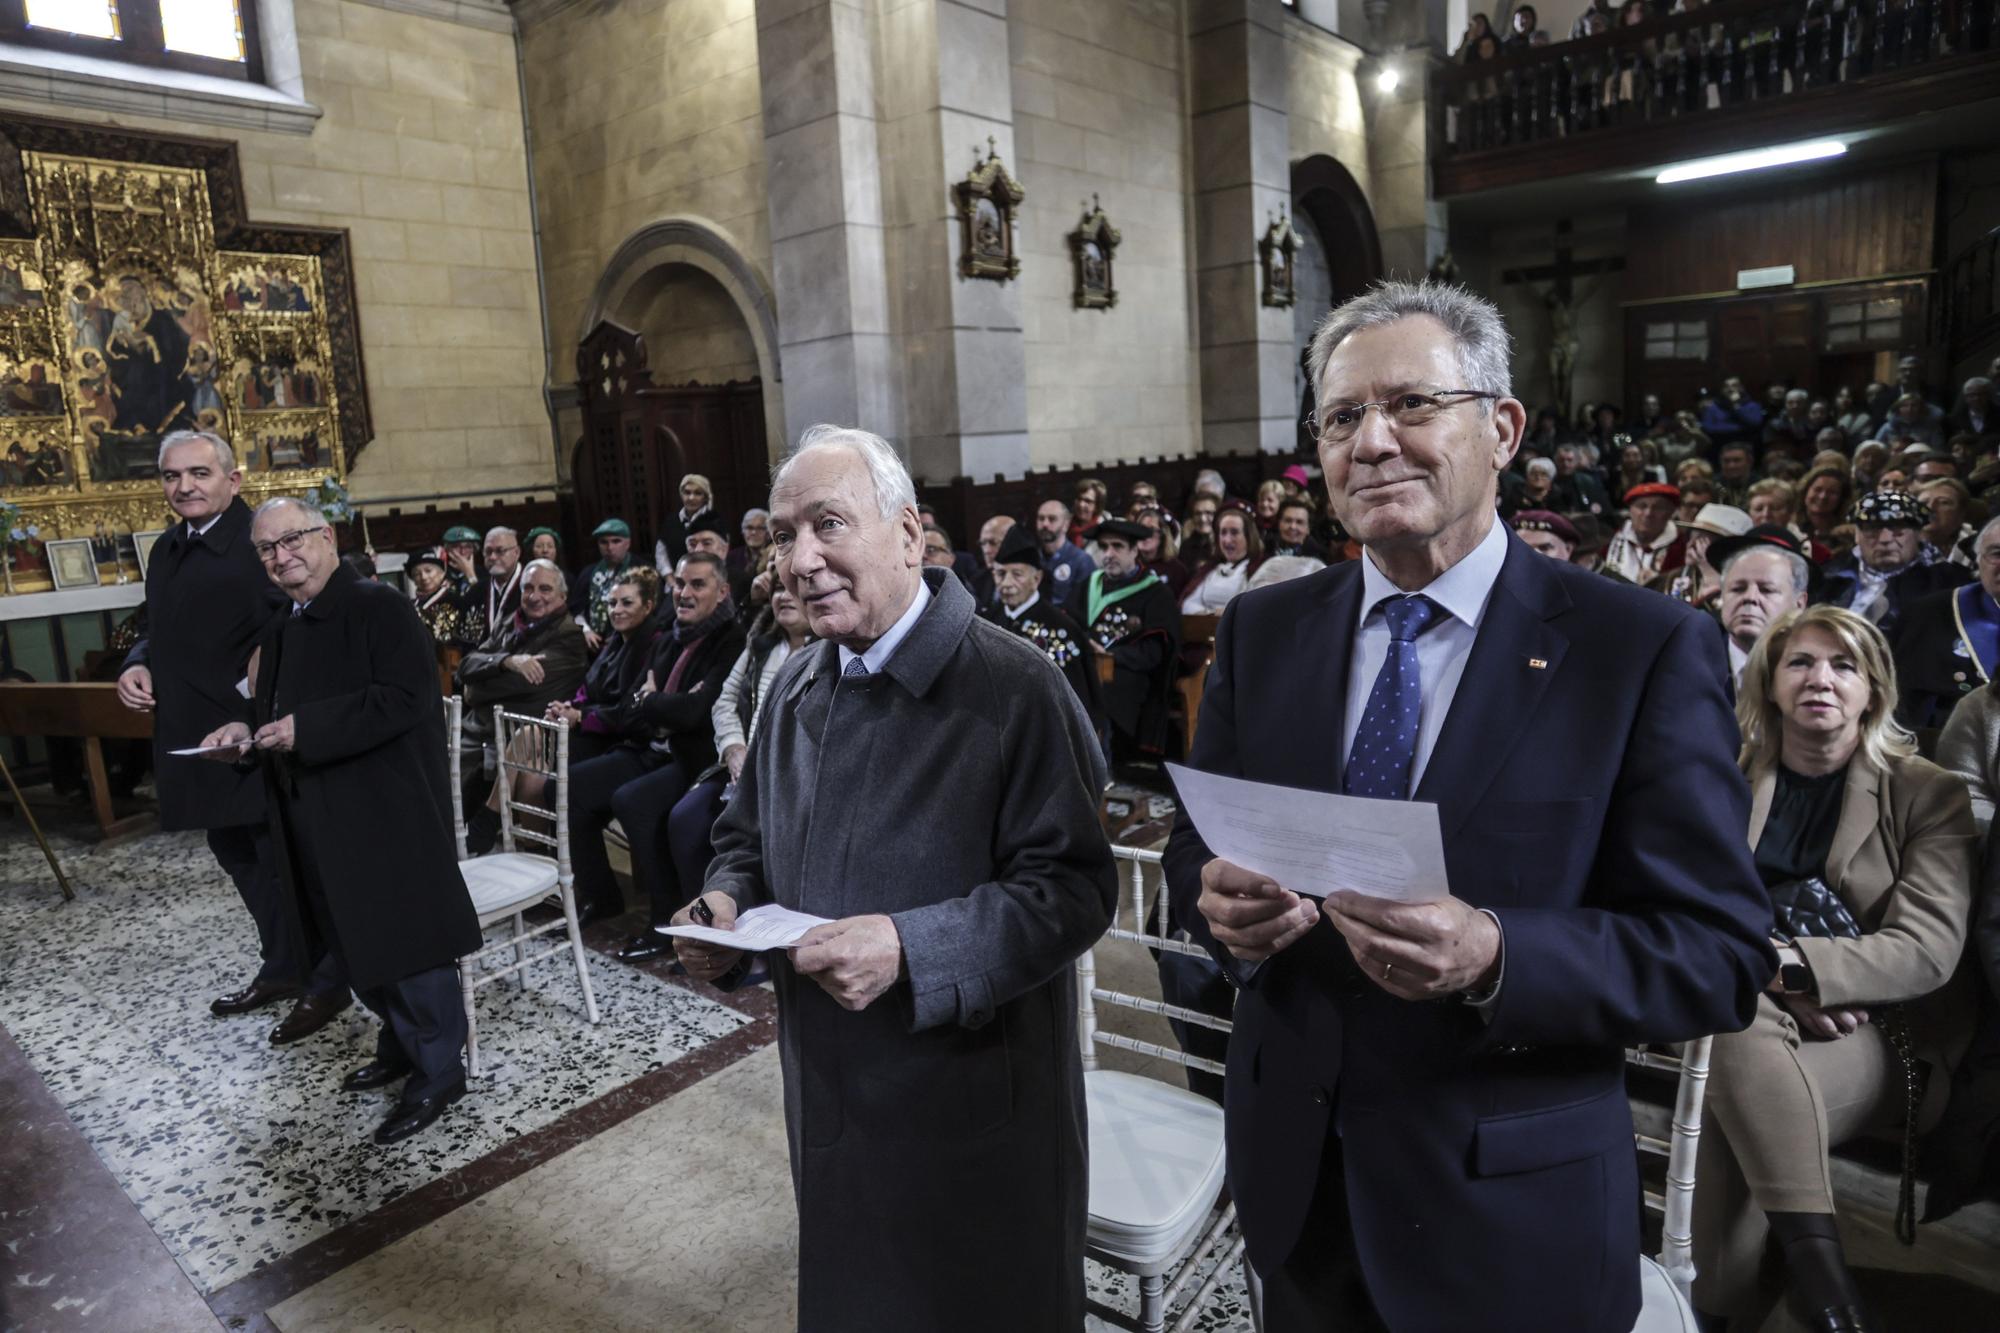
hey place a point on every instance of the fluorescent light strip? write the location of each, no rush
(1756, 160)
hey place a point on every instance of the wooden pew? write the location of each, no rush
(89, 711)
(1198, 632)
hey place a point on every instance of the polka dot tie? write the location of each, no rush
(1385, 745)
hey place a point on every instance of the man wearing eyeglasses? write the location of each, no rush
(1425, 1103)
(490, 603)
(346, 728)
(206, 599)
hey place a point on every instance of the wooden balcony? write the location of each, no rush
(1724, 76)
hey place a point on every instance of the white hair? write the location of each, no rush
(304, 508)
(1208, 479)
(223, 453)
(491, 533)
(1992, 525)
(549, 565)
(1797, 396)
(1475, 326)
(1547, 465)
(894, 491)
(1801, 571)
(1976, 382)
(1279, 568)
(749, 514)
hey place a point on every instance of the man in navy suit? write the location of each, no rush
(1427, 1125)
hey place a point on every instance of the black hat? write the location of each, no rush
(1019, 547)
(1764, 534)
(1890, 509)
(1119, 527)
(425, 558)
(708, 521)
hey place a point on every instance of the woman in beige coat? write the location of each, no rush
(1839, 796)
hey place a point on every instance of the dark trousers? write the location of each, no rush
(691, 839)
(592, 785)
(245, 855)
(1319, 1286)
(642, 806)
(423, 1025)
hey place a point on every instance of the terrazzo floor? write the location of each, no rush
(237, 1152)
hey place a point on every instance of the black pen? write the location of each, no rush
(701, 913)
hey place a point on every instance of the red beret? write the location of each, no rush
(1659, 488)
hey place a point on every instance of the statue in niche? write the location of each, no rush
(987, 199)
(1277, 252)
(1093, 246)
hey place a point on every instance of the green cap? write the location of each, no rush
(460, 533)
(612, 527)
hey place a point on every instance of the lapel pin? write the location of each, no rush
(1537, 664)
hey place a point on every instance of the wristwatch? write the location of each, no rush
(1794, 977)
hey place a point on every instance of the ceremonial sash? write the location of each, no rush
(1098, 601)
(1984, 669)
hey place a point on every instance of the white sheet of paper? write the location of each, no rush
(207, 749)
(1315, 842)
(760, 928)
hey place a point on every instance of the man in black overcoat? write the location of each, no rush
(206, 599)
(1132, 615)
(927, 782)
(1017, 581)
(350, 736)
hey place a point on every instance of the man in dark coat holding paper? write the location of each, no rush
(928, 781)
(350, 734)
(206, 600)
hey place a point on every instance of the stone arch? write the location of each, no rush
(704, 246)
(1327, 194)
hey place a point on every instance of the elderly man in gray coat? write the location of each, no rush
(929, 782)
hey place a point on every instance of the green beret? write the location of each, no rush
(461, 533)
(612, 527)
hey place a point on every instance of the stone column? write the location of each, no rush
(946, 89)
(816, 61)
(1241, 180)
(1411, 223)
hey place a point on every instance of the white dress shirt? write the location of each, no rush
(1014, 612)
(1461, 592)
(202, 531)
(1738, 659)
(884, 648)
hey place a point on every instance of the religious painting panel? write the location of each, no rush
(136, 300)
(988, 199)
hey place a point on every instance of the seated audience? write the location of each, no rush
(544, 544)
(1130, 615)
(1198, 532)
(533, 658)
(779, 632)
(1734, 473)
(1270, 495)
(1650, 543)
(1021, 608)
(750, 558)
(1551, 534)
(1947, 644)
(1887, 571)
(1697, 582)
(1765, 574)
(1086, 508)
(1209, 482)
(1161, 551)
(1851, 415)
(991, 533)
(1063, 559)
(1697, 493)
(1579, 490)
(1950, 529)
(1539, 487)
(1634, 469)
(1239, 548)
(430, 589)
(1295, 517)
(1873, 848)
(663, 740)
(1973, 414)
(1794, 422)
(1733, 416)
(696, 497)
(461, 557)
(1911, 419)
(590, 590)
(614, 674)
(1826, 497)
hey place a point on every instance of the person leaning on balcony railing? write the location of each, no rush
(1521, 30)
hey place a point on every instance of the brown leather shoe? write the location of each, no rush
(308, 1016)
(253, 996)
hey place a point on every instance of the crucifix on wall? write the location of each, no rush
(1561, 297)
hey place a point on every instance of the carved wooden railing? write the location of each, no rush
(1709, 59)
(1968, 304)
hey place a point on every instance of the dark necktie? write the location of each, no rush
(857, 673)
(1385, 745)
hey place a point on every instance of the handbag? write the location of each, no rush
(1809, 909)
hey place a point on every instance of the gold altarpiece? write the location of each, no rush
(129, 308)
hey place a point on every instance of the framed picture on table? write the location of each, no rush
(142, 546)
(72, 564)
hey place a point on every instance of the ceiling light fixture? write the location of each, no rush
(1388, 79)
(1756, 160)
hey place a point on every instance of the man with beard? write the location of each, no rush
(1131, 614)
(1765, 573)
(1062, 560)
(1017, 578)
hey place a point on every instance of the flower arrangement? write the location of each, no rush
(333, 501)
(14, 531)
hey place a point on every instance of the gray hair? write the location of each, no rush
(749, 514)
(304, 508)
(1976, 382)
(1475, 326)
(491, 533)
(894, 491)
(1547, 465)
(1801, 571)
(1208, 479)
(1992, 525)
(1797, 396)
(223, 453)
(549, 565)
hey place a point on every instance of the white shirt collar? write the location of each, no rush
(202, 531)
(884, 648)
(1016, 612)
(1461, 590)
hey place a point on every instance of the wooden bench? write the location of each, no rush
(1198, 632)
(89, 711)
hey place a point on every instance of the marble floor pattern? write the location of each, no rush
(237, 1152)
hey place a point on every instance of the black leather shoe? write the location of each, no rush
(410, 1117)
(595, 911)
(377, 1073)
(646, 944)
(252, 997)
(1841, 1319)
(308, 1016)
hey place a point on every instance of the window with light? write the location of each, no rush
(202, 36)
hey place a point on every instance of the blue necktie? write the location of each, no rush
(1385, 745)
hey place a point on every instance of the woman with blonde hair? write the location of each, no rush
(697, 498)
(1867, 852)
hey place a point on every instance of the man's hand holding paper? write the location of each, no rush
(1249, 913)
(1418, 951)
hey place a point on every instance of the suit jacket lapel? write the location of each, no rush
(1324, 644)
(1859, 809)
(1513, 659)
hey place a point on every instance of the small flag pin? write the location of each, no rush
(1537, 663)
